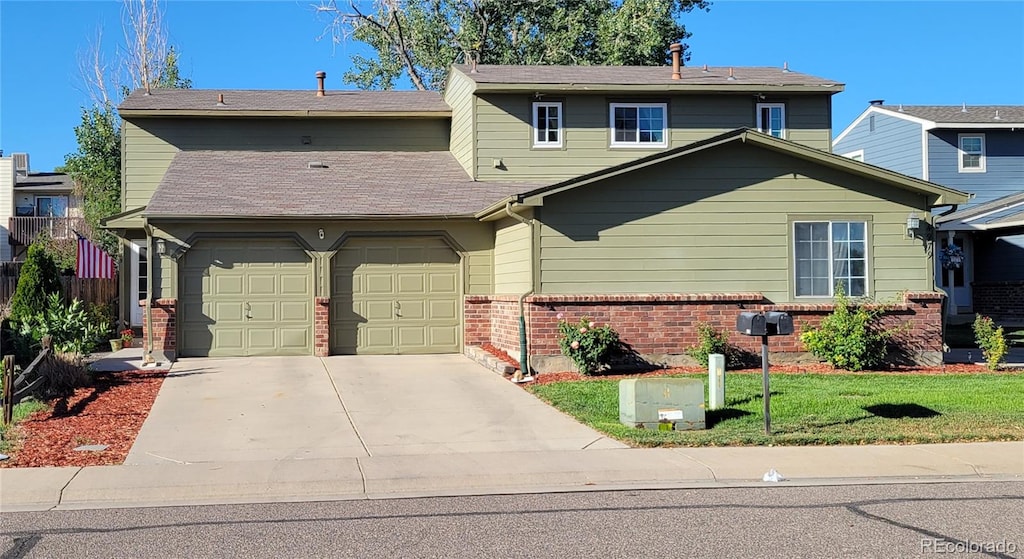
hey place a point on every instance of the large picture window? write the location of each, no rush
(827, 253)
(547, 125)
(639, 125)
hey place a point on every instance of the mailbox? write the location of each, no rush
(752, 324)
(779, 323)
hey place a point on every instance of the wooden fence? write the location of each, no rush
(89, 290)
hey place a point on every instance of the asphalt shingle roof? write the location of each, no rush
(278, 100)
(44, 181)
(639, 75)
(974, 114)
(354, 183)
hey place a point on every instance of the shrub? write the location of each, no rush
(991, 341)
(103, 315)
(849, 338)
(64, 372)
(588, 345)
(70, 326)
(711, 341)
(38, 280)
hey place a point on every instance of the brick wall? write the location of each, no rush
(1001, 300)
(661, 327)
(164, 315)
(321, 326)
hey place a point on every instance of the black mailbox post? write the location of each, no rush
(765, 324)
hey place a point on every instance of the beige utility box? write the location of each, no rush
(662, 403)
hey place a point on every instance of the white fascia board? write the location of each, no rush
(873, 109)
(979, 125)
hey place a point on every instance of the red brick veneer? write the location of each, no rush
(164, 314)
(1001, 300)
(321, 326)
(656, 326)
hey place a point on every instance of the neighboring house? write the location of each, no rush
(33, 203)
(339, 222)
(978, 149)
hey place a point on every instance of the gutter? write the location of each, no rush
(524, 353)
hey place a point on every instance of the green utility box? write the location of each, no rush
(662, 403)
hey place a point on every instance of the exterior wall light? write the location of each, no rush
(913, 223)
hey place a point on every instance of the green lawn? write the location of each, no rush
(822, 409)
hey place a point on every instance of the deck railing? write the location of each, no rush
(24, 230)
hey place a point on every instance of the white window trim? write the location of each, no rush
(854, 154)
(561, 125)
(960, 154)
(780, 106)
(832, 280)
(638, 143)
(135, 315)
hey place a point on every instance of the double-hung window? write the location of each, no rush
(547, 125)
(827, 253)
(971, 153)
(639, 124)
(771, 119)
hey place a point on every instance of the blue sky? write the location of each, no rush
(945, 52)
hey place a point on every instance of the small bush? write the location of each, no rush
(103, 315)
(64, 372)
(849, 338)
(70, 326)
(39, 278)
(991, 341)
(588, 345)
(709, 341)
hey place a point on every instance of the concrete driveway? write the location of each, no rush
(292, 408)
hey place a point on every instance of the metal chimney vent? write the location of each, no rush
(20, 163)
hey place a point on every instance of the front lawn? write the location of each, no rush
(812, 409)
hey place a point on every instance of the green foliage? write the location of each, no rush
(850, 337)
(991, 341)
(96, 169)
(102, 315)
(39, 279)
(711, 341)
(588, 345)
(420, 39)
(71, 327)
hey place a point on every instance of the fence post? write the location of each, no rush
(8, 389)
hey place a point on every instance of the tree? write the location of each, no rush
(147, 62)
(38, 279)
(420, 39)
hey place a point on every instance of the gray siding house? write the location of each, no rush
(977, 149)
(340, 222)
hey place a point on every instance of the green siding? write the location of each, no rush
(718, 221)
(475, 240)
(459, 96)
(503, 123)
(513, 268)
(150, 143)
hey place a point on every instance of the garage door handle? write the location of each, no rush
(398, 309)
(248, 310)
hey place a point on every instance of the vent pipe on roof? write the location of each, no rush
(731, 76)
(963, 109)
(876, 102)
(676, 49)
(320, 77)
(220, 100)
(785, 67)
(705, 69)
(997, 117)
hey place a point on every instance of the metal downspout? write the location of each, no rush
(524, 355)
(147, 358)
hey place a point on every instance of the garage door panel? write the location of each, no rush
(251, 297)
(369, 276)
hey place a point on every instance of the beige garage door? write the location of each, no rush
(241, 298)
(395, 296)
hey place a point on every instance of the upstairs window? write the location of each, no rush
(830, 252)
(971, 153)
(547, 125)
(771, 119)
(639, 125)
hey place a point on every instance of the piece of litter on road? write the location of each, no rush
(772, 475)
(4, 457)
(91, 447)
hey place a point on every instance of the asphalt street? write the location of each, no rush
(893, 520)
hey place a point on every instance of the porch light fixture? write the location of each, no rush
(161, 246)
(913, 223)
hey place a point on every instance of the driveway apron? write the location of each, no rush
(447, 404)
(246, 409)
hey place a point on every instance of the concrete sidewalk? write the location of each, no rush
(392, 476)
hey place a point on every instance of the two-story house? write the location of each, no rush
(978, 149)
(649, 198)
(35, 203)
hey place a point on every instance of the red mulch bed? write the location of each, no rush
(500, 354)
(110, 412)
